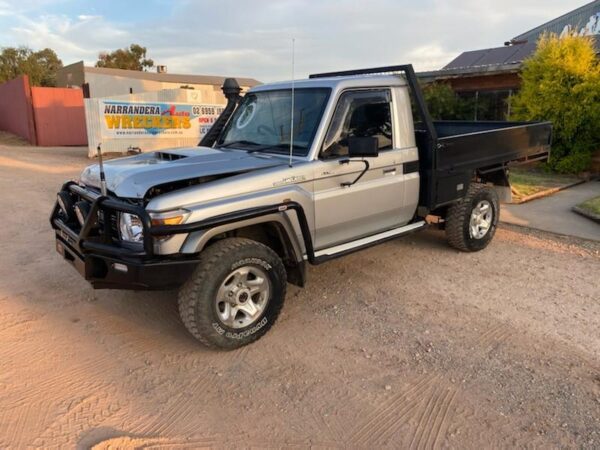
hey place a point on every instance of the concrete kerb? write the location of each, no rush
(590, 215)
(546, 193)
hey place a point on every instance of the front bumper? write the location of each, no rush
(105, 272)
(102, 260)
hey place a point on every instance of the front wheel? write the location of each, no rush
(235, 294)
(471, 223)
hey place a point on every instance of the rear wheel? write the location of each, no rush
(235, 294)
(471, 223)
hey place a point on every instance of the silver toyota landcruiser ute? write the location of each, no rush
(356, 161)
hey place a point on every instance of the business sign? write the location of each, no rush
(156, 119)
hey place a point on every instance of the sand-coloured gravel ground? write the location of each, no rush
(408, 344)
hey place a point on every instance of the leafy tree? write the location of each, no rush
(132, 58)
(40, 66)
(444, 104)
(561, 84)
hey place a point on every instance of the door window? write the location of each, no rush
(359, 114)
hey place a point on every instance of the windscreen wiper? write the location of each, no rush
(282, 146)
(256, 147)
(240, 142)
(287, 145)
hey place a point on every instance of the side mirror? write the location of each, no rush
(363, 146)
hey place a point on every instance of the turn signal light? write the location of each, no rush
(175, 220)
(168, 218)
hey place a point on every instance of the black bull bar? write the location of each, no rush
(97, 256)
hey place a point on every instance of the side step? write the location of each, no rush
(353, 246)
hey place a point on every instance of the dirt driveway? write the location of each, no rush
(409, 344)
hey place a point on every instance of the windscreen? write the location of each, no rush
(262, 122)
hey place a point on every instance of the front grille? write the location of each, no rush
(104, 216)
(114, 225)
(103, 235)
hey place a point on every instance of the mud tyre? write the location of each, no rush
(471, 223)
(235, 294)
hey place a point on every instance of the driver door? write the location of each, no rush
(374, 203)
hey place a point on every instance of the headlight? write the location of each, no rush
(131, 228)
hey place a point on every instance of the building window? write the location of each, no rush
(488, 105)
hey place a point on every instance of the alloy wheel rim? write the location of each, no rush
(243, 297)
(481, 220)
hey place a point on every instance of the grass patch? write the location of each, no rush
(592, 205)
(528, 181)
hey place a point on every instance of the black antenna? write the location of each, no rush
(103, 190)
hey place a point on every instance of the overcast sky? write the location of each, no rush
(253, 38)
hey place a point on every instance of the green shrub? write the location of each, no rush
(561, 84)
(444, 104)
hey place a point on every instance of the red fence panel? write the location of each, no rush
(59, 116)
(16, 115)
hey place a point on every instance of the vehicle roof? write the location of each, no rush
(353, 81)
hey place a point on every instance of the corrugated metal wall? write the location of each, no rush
(59, 116)
(16, 112)
(94, 124)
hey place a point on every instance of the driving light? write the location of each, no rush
(131, 228)
(120, 267)
(65, 203)
(82, 209)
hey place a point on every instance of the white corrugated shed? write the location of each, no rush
(145, 142)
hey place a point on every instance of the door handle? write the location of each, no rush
(391, 171)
